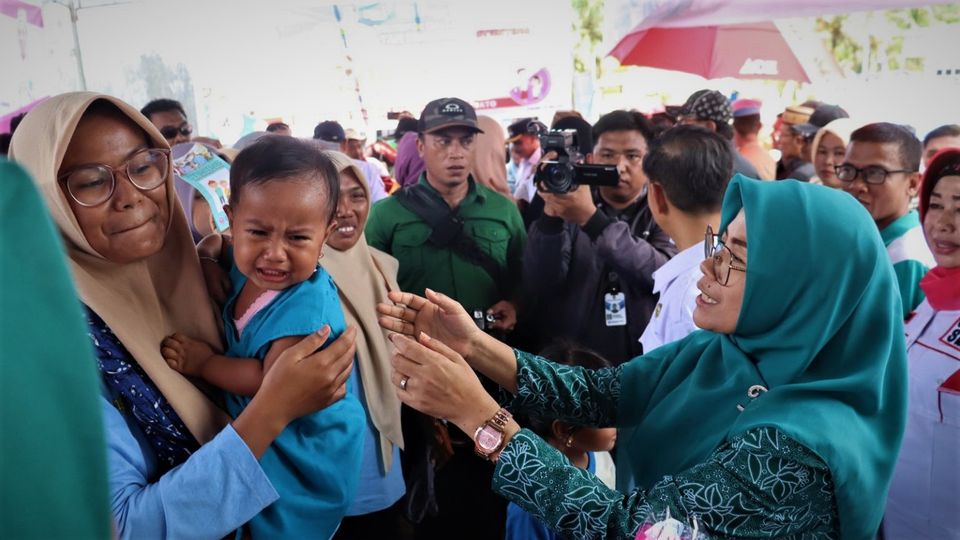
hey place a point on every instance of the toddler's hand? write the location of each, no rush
(184, 354)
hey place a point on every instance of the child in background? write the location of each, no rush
(283, 199)
(585, 447)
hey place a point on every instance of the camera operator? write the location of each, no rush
(590, 258)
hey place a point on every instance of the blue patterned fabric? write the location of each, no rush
(135, 396)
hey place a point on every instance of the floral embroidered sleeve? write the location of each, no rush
(762, 484)
(568, 393)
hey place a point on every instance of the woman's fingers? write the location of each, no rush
(446, 304)
(396, 325)
(308, 345)
(398, 312)
(404, 364)
(441, 348)
(408, 299)
(411, 350)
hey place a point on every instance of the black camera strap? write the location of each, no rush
(447, 230)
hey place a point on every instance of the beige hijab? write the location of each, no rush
(489, 159)
(363, 276)
(141, 302)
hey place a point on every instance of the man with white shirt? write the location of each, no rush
(330, 135)
(688, 168)
(525, 145)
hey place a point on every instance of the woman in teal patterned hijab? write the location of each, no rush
(784, 420)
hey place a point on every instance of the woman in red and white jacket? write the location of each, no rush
(923, 496)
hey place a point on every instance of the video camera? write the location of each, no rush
(565, 174)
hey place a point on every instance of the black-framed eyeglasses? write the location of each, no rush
(712, 249)
(91, 185)
(171, 132)
(871, 174)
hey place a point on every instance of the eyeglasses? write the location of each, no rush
(170, 132)
(91, 185)
(712, 249)
(871, 174)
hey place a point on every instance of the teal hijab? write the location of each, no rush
(820, 328)
(53, 459)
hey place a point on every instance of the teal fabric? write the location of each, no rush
(899, 227)
(53, 462)
(909, 272)
(314, 464)
(820, 327)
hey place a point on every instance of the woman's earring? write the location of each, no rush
(569, 442)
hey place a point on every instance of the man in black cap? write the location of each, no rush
(331, 132)
(524, 139)
(405, 124)
(822, 115)
(457, 237)
(711, 109)
(330, 135)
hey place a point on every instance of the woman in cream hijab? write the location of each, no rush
(178, 467)
(364, 276)
(829, 149)
(490, 158)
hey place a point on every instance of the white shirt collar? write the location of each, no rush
(680, 264)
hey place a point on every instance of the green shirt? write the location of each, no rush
(490, 219)
(911, 257)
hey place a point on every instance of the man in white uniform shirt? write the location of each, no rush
(688, 168)
(330, 135)
(525, 143)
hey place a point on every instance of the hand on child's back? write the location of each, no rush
(185, 354)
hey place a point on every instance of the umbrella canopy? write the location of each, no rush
(744, 51)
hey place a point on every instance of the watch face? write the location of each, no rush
(488, 439)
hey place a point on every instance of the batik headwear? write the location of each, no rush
(364, 276)
(54, 458)
(820, 328)
(708, 105)
(490, 157)
(144, 301)
(941, 284)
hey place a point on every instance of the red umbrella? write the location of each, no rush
(743, 51)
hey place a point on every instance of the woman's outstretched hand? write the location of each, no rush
(434, 379)
(437, 315)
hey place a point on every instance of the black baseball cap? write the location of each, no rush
(445, 113)
(821, 116)
(405, 125)
(525, 126)
(329, 131)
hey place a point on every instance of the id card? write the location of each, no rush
(615, 309)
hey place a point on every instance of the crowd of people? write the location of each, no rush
(426, 338)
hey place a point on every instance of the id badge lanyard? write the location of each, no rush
(614, 302)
